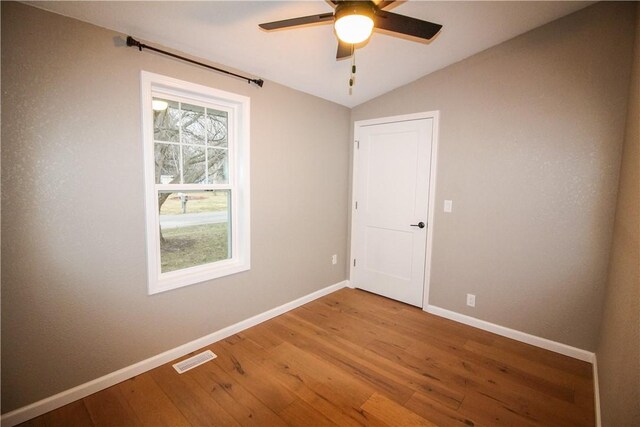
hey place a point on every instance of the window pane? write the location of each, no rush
(195, 228)
(218, 163)
(193, 124)
(217, 128)
(194, 164)
(167, 163)
(166, 120)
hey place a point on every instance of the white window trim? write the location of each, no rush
(239, 106)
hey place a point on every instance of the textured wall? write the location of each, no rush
(74, 301)
(619, 348)
(530, 143)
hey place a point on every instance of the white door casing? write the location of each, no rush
(393, 188)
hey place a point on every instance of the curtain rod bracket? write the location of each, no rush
(133, 42)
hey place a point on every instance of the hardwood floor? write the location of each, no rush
(352, 358)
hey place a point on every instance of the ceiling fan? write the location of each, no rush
(354, 21)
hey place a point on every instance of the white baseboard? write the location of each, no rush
(596, 392)
(43, 406)
(557, 347)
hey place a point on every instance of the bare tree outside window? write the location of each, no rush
(191, 147)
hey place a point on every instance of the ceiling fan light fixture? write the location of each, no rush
(159, 105)
(354, 23)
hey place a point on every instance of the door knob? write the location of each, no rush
(419, 225)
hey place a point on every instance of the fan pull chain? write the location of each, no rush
(352, 79)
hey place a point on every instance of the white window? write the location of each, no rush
(196, 154)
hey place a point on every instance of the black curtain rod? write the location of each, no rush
(133, 42)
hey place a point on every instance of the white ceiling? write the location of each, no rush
(226, 32)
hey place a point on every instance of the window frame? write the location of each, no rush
(238, 143)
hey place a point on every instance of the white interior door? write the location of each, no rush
(392, 169)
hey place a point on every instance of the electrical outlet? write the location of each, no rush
(334, 259)
(471, 300)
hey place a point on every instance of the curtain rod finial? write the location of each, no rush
(133, 42)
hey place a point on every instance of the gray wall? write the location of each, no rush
(530, 143)
(619, 348)
(74, 301)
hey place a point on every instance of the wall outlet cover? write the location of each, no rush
(471, 300)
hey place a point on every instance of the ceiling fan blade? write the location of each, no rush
(345, 50)
(406, 25)
(293, 22)
(381, 4)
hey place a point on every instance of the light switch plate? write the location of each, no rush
(448, 205)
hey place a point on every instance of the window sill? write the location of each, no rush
(194, 275)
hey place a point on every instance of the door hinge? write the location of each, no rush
(357, 144)
(354, 262)
(356, 205)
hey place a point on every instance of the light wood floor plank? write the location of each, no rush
(352, 358)
(358, 368)
(301, 414)
(391, 369)
(252, 377)
(110, 408)
(437, 413)
(197, 406)
(235, 399)
(488, 411)
(393, 414)
(74, 414)
(149, 402)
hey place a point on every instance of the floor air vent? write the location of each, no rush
(194, 361)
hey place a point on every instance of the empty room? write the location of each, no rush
(196, 227)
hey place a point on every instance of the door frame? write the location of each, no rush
(435, 115)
